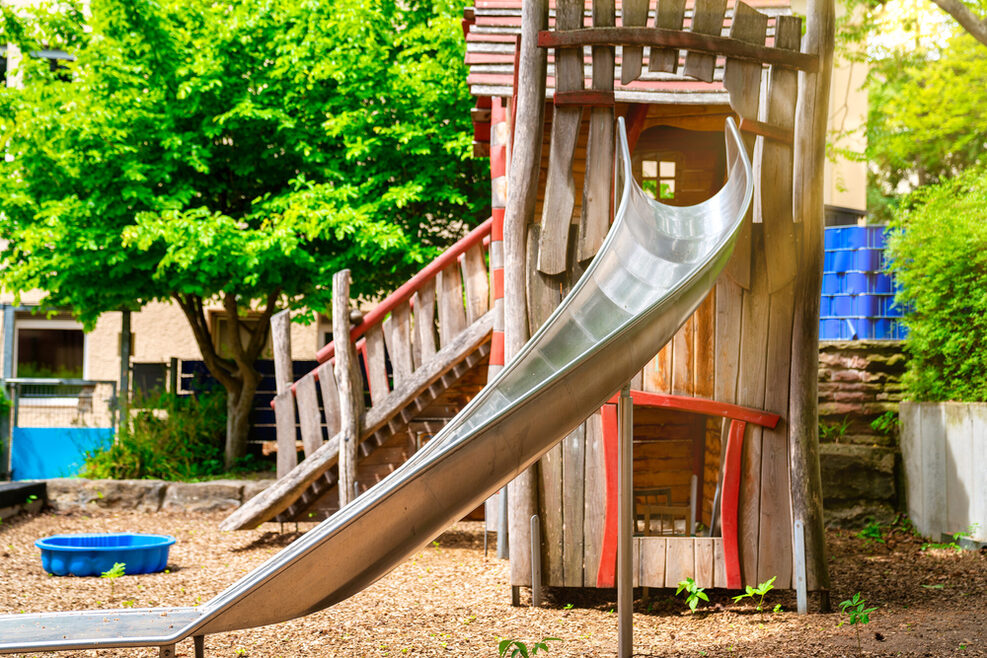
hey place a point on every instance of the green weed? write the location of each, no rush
(695, 593)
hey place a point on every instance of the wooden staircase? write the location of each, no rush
(424, 352)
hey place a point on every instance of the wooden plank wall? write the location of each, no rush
(733, 349)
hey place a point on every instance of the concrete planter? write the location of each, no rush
(944, 450)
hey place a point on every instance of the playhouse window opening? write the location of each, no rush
(658, 178)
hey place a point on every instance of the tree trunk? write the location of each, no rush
(238, 408)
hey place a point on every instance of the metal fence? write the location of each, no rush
(53, 423)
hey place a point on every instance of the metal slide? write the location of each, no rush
(653, 270)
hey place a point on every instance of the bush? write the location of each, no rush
(170, 438)
(938, 251)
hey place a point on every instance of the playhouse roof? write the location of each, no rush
(492, 27)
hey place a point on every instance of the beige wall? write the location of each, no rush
(846, 180)
(161, 333)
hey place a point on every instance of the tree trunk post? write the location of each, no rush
(812, 112)
(238, 408)
(347, 383)
(522, 188)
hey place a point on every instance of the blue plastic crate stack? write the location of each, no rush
(857, 295)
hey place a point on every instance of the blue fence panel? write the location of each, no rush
(51, 452)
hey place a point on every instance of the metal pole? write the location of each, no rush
(801, 595)
(124, 366)
(502, 546)
(625, 527)
(535, 562)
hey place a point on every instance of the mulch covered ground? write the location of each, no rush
(450, 600)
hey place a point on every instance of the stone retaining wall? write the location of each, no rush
(78, 494)
(859, 381)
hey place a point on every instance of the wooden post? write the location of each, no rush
(812, 112)
(522, 189)
(125, 349)
(625, 525)
(199, 643)
(347, 383)
(281, 343)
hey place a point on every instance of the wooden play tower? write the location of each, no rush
(725, 426)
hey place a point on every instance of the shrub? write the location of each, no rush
(938, 251)
(170, 438)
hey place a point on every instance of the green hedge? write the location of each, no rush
(938, 250)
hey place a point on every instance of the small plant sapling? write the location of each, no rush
(695, 593)
(760, 590)
(858, 613)
(519, 649)
(872, 533)
(118, 569)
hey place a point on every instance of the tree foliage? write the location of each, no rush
(939, 252)
(924, 122)
(232, 152)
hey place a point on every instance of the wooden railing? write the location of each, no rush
(394, 340)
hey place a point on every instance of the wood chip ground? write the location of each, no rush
(449, 600)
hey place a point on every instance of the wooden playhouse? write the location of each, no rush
(715, 457)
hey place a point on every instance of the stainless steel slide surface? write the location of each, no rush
(653, 270)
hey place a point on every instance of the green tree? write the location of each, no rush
(236, 153)
(938, 250)
(914, 137)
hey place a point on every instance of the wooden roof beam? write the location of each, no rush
(662, 38)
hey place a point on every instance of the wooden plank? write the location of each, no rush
(544, 291)
(775, 536)
(719, 573)
(708, 19)
(729, 315)
(682, 358)
(550, 513)
(652, 561)
(559, 185)
(284, 420)
(597, 184)
(573, 505)
(375, 364)
(397, 336)
(658, 372)
(595, 502)
(281, 344)
(742, 80)
(708, 44)
(309, 419)
(330, 397)
(477, 284)
(636, 564)
(680, 560)
(669, 16)
(348, 384)
(705, 569)
(452, 313)
(777, 164)
(753, 380)
(424, 301)
(704, 347)
(634, 13)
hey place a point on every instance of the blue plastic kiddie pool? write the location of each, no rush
(94, 554)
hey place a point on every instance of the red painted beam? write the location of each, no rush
(606, 574)
(729, 508)
(705, 407)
